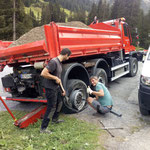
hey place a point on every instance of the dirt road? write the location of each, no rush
(135, 132)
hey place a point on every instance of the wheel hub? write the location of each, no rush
(77, 98)
(134, 68)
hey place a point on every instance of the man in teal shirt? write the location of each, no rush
(102, 102)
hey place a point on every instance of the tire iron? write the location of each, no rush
(106, 128)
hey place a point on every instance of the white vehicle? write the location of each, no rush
(144, 88)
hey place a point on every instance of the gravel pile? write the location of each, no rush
(74, 24)
(37, 34)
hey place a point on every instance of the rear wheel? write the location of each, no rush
(102, 76)
(77, 94)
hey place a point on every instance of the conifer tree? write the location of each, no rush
(92, 14)
(23, 22)
(144, 31)
(130, 10)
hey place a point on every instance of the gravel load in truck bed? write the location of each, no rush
(74, 24)
(37, 33)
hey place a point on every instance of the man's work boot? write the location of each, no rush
(57, 121)
(98, 109)
(45, 131)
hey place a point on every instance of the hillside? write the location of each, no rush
(145, 4)
(70, 5)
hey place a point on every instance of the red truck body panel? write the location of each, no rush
(81, 41)
(4, 44)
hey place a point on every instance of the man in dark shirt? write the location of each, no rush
(52, 83)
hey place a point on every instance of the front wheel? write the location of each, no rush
(77, 94)
(133, 66)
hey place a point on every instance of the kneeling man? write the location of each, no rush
(102, 102)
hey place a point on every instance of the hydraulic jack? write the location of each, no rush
(29, 118)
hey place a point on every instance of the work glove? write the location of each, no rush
(89, 90)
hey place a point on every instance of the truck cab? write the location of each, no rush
(144, 88)
(125, 33)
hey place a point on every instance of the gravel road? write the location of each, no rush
(135, 132)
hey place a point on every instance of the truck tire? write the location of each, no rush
(77, 94)
(143, 111)
(133, 66)
(102, 75)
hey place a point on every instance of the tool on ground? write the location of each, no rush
(118, 115)
(29, 118)
(106, 128)
(111, 128)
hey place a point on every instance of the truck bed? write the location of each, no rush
(81, 41)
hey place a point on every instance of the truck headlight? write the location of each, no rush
(145, 80)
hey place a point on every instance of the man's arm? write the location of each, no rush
(45, 73)
(98, 93)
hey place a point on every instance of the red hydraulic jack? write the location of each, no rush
(29, 118)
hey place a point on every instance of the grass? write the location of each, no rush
(73, 134)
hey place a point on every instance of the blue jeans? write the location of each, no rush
(101, 109)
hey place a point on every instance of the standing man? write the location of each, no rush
(102, 102)
(52, 83)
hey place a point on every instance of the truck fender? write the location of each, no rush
(100, 63)
(74, 71)
(101, 70)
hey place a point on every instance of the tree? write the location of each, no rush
(52, 12)
(6, 18)
(80, 15)
(92, 13)
(23, 22)
(130, 10)
(14, 20)
(144, 31)
(116, 8)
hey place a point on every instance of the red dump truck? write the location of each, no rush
(103, 49)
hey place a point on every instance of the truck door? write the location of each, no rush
(127, 40)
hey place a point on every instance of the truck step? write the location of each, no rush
(120, 75)
(119, 71)
(119, 66)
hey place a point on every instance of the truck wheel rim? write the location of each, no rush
(78, 100)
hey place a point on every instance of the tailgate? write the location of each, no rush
(30, 52)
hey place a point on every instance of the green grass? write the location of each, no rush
(73, 134)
